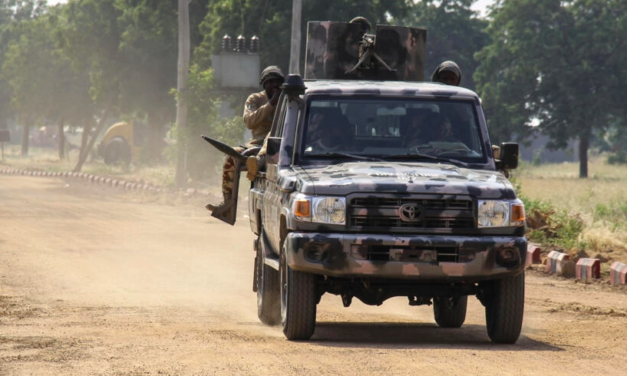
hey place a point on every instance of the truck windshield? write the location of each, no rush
(377, 127)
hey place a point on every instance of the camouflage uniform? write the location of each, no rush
(257, 162)
(258, 113)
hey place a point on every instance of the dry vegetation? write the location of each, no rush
(589, 214)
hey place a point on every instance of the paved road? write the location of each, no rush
(95, 282)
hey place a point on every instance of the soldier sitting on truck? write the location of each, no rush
(258, 114)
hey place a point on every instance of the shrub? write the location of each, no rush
(546, 224)
(620, 157)
(203, 161)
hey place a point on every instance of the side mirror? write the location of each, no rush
(509, 155)
(272, 150)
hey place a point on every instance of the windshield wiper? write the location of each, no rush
(346, 155)
(456, 162)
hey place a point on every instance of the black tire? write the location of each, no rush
(298, 303)
(504, 309)
(268, 294)
(447, 317)
(117, 150)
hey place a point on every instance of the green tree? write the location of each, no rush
(6, 16)
(69, 101)
(24, 68)
(90, 39)
(558, 63)
(41, 84)
(149, 45)
(454, 32)
(129, 49)
(204, 118)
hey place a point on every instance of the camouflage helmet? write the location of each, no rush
(271, 72)
(363, 22)
(447, 66)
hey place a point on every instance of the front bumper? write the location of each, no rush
(334, 255)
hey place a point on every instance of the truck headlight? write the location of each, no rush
(331, 210)
(495, 213)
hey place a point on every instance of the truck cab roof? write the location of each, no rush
(388, 88)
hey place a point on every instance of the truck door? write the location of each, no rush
(285, 121)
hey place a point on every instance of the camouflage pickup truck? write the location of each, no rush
(352, 203)
(374, 189)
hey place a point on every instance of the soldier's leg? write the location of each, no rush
(256, 162)
(228, 172)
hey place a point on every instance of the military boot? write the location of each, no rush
(221, 207)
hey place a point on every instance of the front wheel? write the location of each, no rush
(298, 302)
(447, 316)
(504, 309)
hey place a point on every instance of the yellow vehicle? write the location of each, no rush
(122, 142)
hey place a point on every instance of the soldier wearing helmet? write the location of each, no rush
(448, 73)
(258, 114)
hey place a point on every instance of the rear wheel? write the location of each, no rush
(298, 302)
(447, 316)
(117, 150)
(504, 308)
(268, 298)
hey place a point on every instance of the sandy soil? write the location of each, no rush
(94, 282)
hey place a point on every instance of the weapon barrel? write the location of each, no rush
(226, 149)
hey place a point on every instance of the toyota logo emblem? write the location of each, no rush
(411, 212)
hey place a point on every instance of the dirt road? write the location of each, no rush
(94, 282)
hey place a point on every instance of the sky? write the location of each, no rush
(480, 5)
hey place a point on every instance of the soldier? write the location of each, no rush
(434, 127)
(258, 114)
(324, 134)
(447, 73)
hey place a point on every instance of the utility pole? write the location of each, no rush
(181, 105)
(297, 8)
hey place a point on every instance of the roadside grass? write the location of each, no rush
(589, 214)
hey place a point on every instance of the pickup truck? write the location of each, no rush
(373, 190)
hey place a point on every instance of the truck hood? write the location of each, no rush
(401, 177)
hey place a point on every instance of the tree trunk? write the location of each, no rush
(92, 141)
(181, 105)
(61, 137)
(84, 139)
(584, 144)
(26, 138)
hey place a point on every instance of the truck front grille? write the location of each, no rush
(374, 213)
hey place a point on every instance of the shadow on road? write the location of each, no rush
(398, 335)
